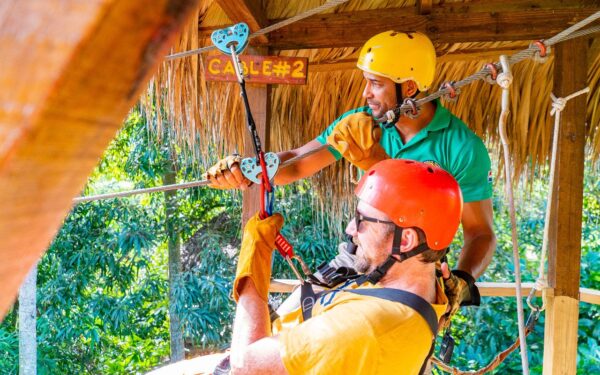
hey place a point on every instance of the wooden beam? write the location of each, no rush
(258, 96)
(70, 72)
(445, 25)
(486, 289)
(248, 11)
(564, 251)
(465, 55)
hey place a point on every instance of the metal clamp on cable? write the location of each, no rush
(413, 112)
(493, 73)
(453, 91)
(541, 55)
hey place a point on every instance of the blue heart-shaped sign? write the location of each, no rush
(251, 167)
(236, 35)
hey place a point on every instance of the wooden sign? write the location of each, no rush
(258, 69)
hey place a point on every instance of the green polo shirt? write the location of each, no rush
(447, 142)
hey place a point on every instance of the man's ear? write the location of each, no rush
(410, 239)
(409, 89)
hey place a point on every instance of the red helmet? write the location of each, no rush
(415, 194)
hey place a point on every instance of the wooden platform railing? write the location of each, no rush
(487, 289)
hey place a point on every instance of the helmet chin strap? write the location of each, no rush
(376, 275)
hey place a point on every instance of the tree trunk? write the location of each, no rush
(27, 320)
(174, 246)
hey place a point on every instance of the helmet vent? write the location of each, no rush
(371, 173)
(369, 50)
(430, 169)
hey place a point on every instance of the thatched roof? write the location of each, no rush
(208, 116)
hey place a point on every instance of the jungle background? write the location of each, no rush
(103, 300)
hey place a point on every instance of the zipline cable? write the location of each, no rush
(184, 185)
(266, 30)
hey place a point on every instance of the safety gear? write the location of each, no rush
(415, 194)
(254, 262)
(400, 57)
(356, 137)
(222, 166)
(461, 290)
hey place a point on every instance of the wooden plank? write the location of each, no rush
(69, 73)
(258, 96)
(248, 11)
(340, 29)
(564, 251)
(486, 289)
(589, 296)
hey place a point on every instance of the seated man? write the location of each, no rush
(384, 321)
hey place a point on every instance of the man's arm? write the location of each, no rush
(231, 177)
(480, 240)
(304, 167)
(253, 351)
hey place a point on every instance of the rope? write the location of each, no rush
(490, 366)
(541, 283)
(266, 30)
(504, 80)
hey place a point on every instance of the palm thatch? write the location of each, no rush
(208, 120)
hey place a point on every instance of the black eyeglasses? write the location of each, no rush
(358, 217)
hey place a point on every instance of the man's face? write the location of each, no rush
(380, 93)
(373, 240)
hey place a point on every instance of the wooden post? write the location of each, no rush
(564, 255)
(70, 72)
(258, 96)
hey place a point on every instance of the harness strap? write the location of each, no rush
(409, 299)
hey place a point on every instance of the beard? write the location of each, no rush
(361, 263)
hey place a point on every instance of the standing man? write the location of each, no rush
(398, 66)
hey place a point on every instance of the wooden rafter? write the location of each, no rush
(70, 75)
(447, 23)
(248, 11)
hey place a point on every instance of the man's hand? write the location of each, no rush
(226, 174)
(357, 138)
(254, 262)
(460, 289)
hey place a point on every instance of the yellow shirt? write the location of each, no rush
(356, 334)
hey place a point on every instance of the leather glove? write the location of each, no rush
(357, 138)
(222, 175)
(254, 262)
(461, 290)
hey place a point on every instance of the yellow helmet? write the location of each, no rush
(400, 57)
